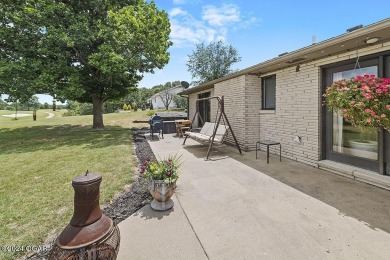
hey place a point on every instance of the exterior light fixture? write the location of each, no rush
(371, 40)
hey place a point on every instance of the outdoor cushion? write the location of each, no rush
(206, 128)
(207, 131)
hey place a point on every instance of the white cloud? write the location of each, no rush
(179, 2)
(187, 31)
(225, 15)
(177, 11)
(213, 26)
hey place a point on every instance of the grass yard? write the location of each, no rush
(39, 159)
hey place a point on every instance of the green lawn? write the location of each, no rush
(40, 158)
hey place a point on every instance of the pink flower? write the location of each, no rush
(368, 95)
(388, 107)
(368, 120)
(367, 110)
(383, 115)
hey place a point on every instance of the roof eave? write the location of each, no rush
(286, 60)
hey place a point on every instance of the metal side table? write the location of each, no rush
(268, 143)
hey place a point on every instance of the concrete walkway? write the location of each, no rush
(225, 209)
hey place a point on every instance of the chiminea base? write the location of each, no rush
(74, 237)
(105, 248)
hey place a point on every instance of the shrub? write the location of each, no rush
(86, 109)
(125, 107)
(135, 106)
(150, 113)
(70, 113)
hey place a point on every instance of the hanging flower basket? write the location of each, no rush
(362, 100)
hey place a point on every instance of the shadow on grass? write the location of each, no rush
(30, 139)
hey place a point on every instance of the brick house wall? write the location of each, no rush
(233, 92)
(298, 106)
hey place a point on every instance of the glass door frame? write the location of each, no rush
(204, 108)
(327, 129)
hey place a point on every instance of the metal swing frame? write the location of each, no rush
(219, 116)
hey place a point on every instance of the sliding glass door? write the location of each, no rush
(204, 108)
(347, 139)
(358, 146)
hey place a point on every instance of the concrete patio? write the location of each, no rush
(236, 207)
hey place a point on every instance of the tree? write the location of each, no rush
(3, 104)
(32, 103)
(158, 88)
(86, 51)
(181, 102)
(211, 62)
(166, 97)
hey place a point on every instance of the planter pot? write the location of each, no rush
(162, 193)
(370, 146)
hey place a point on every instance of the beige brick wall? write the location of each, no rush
(233, 92)
(296, 113)
(252, 107)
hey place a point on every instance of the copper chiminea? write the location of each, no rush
(90, 234)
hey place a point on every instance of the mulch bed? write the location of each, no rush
(131, 200)
(138, 195)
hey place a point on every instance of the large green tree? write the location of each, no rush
(87, 51)
(213, 61)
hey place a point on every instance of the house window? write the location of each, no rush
(268, 91)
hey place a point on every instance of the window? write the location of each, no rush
(268, 93)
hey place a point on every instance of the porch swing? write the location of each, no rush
(212, 132)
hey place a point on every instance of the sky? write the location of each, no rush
(259, 30)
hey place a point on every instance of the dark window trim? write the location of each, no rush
(263, 95)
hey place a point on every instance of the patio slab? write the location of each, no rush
(150, 234)
(236, 211)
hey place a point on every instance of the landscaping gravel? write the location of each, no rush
(129, 201)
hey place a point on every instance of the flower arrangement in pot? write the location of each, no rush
(362, 101)
(162, 175)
